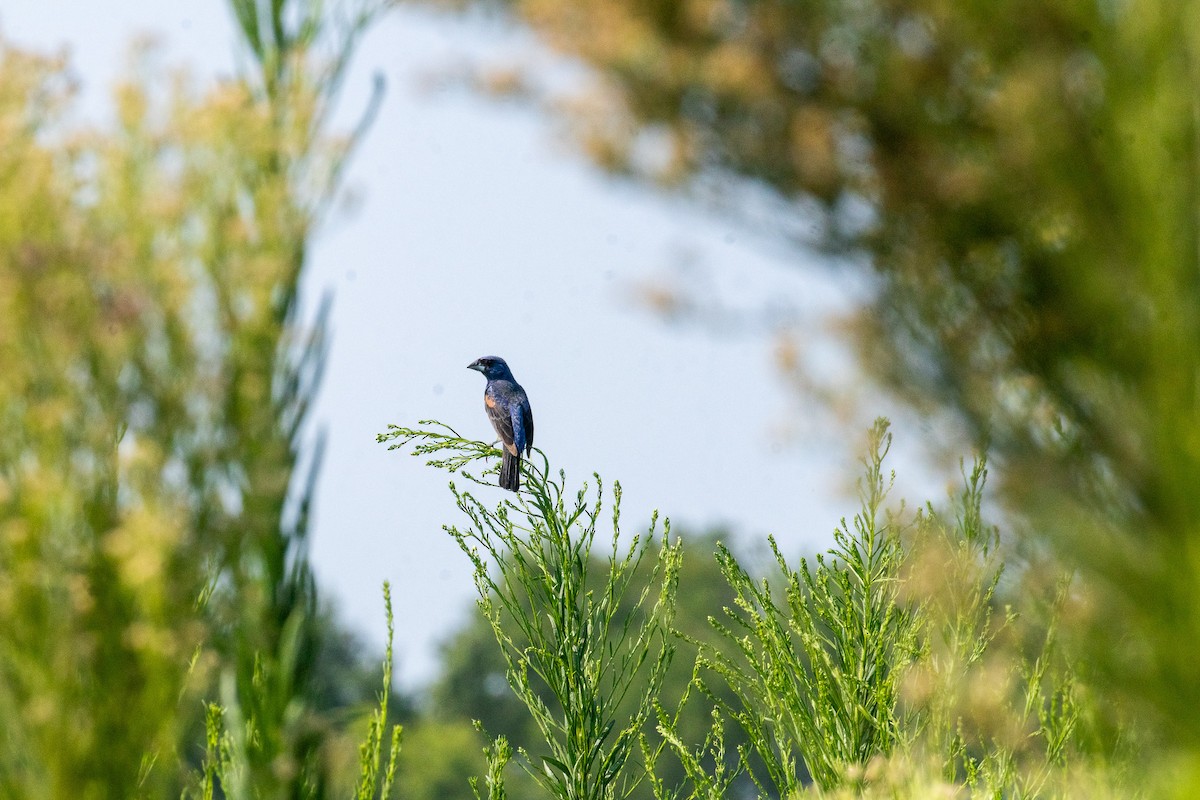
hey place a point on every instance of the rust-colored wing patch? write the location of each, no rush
(501, 421)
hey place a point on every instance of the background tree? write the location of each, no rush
(1023, 180)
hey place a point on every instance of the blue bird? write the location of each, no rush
(508, 409)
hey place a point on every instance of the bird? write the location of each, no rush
(508, 409)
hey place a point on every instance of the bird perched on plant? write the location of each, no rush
(508, 409)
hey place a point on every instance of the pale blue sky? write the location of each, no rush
(476, 231)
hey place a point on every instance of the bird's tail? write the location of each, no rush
(510, 471)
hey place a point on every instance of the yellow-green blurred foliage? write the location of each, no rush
(1003, 707)
(101, 564)
(154, 374)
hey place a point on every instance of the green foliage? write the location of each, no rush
(471, 684)
(817, 676)
(953, 572)
(898, 664)
(995, 699)
(531, 560)
(706, 768)
(882, 669)
(228, 763)
(369, 786)
(498, 755)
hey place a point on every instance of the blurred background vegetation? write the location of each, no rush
(1022, 181)
(154, 479)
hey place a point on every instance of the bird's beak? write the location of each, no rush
(475, 365)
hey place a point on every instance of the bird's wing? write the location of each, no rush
(501, 418)
(527, 415)
(517, 412)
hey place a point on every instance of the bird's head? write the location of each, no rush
(492, 367)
